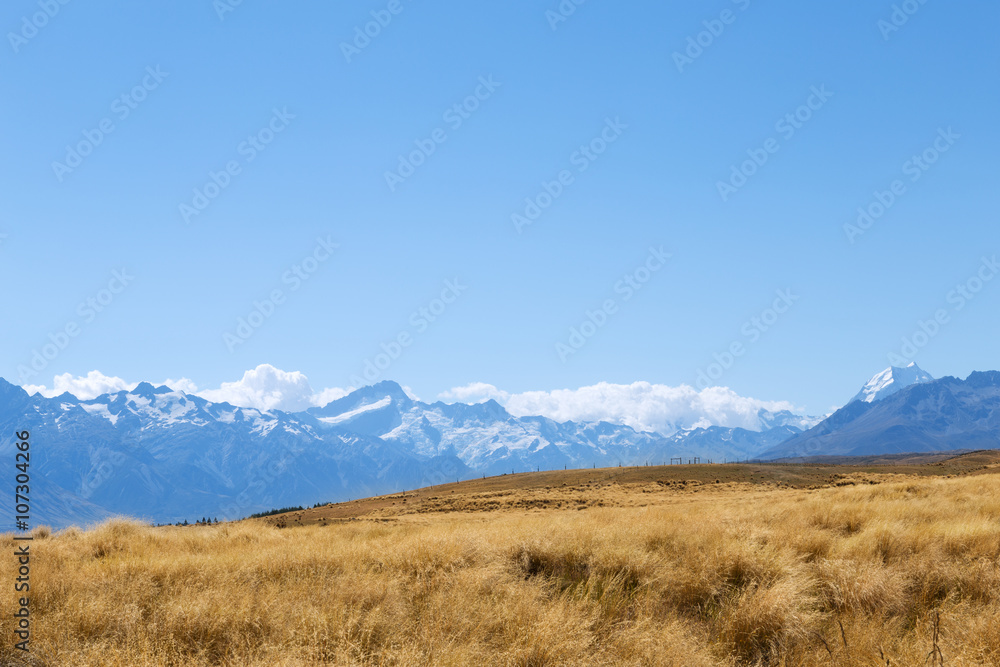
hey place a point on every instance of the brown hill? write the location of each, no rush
(639, 486)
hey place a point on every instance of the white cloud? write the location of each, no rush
(475, 392)
(641, 405)
(183, 384)
(96, 383)
(264, 388)
(84, 387)
(328, 396)
(270, 388)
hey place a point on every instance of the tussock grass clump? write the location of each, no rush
(762, 622)
(847, 575)
(861, 587)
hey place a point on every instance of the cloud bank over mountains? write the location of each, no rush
(264, 388)
(268, 388)
(640, 405)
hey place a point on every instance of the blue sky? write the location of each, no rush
(203, 86)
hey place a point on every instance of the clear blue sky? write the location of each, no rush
(323, 175)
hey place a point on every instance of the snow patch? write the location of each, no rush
(346, 416)
(101, 410)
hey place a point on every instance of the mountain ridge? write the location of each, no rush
(166, 455)
(943, 414)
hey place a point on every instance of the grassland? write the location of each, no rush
(687, 566)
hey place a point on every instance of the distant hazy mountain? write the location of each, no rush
(890, 381)
(168, 456)
(935, 415)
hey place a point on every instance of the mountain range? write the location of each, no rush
(167, 456)
(924, 416)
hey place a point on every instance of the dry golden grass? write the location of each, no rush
(729, 575)
(628, 487)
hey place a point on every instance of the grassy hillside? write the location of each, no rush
(821, 570)
(632, 486)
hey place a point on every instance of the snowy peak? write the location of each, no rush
(479, 413)
(388, 388)
(384, 393)
(373, 410)
(924, 416)
(891, 380)
(144, 389)
(783, 418)
(161, 406)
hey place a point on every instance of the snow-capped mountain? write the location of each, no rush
(166, 456)
(890, 381)
(938, 415)
(773, 420)
(490, 440)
